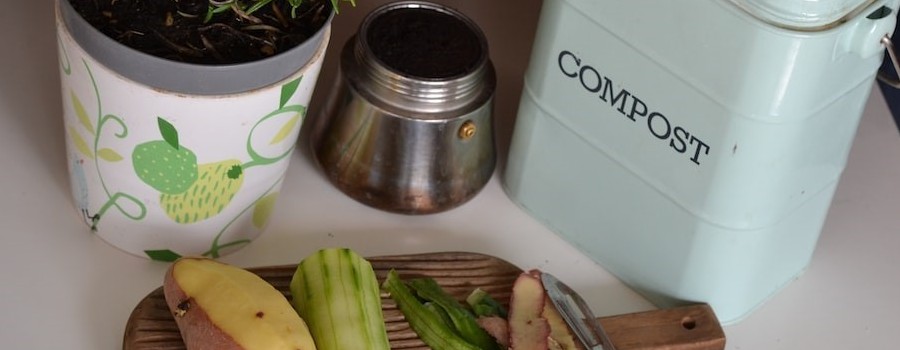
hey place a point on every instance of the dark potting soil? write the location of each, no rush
(176, 30)
(424, 43)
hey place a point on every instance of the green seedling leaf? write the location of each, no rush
(82, 115)
(80, 144)
(285, 129)
(168, 132)
(162, 255)
(256, 6)
(335, 4)
(109, 155)
(288, 90)
(295, 4)
(263, 210)
(213, 10)
(210, 11)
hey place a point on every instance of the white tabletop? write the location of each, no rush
(63, 288)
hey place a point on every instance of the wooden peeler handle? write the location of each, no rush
(692, 327)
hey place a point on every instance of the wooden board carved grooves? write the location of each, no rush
(151, 326)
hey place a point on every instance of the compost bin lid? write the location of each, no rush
(803, 14)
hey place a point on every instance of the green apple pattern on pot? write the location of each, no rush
(164, 165)
(189, 191)
(192, 192)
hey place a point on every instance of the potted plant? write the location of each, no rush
(181, 115)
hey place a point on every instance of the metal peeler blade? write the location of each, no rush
(577, 314)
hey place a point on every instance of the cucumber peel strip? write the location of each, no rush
(483, 304)
(462, 319)
(426, 323)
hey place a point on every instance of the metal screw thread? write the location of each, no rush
(424, 95)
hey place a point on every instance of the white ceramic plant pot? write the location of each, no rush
(168, 159)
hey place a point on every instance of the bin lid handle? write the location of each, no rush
(893, 81)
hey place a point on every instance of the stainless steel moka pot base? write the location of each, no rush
(408, 128)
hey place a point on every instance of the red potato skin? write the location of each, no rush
(197, 330)
(528, 330)
(497, 327)
(559, 330)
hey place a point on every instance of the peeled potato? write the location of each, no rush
(220, 307)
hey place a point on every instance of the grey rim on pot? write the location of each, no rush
(404, 138)
(187, 78)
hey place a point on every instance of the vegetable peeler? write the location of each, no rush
(687, 327)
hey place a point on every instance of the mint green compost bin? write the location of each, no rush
(692, 148)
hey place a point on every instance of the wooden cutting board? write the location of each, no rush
(152, 327)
